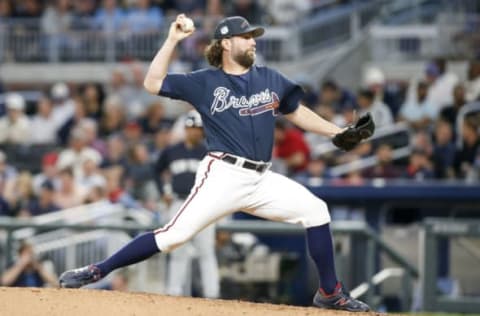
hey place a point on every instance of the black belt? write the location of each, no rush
(257, 166)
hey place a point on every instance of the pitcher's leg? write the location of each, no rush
(288, 201)
(204, 244)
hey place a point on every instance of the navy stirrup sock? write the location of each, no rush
(140, 248)
(320, 246)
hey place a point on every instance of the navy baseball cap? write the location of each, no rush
(236, 25)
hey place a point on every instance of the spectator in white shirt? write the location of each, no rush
(441, 83)
(43, 129)
(64, 106)
(77, 153)
(380, 112)
(472, 86)
(14, 127)
(418, 112)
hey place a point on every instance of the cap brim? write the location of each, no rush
(255, 31)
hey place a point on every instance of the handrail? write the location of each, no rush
(253, 226)
(377, 279)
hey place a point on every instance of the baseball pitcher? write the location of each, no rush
(239, 102)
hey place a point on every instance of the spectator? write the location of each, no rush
(443, 151)
(70, 194)
(20, 195)
(465, 156)
(160, 140)
(63, 104)
(77, 153)
(138, 99)
(93, 97)
(286, 12)
(132, 133)
(49, 172)
(143, 18)
(28, 270)
(450, 112)
(109, 17)
(115, 190)
(384, 167)
(45, 203)
(419, 166)
(92, 177)
(115, 155)
(249, 9)
(291, 147)
(335, 97)
(388, 94)
(418, 112)
(8, 174)
(55, 24)
(78, 115)
(315, 173)
(6, 9)
(96, 194)
(90, 129)
(139, 173)
(83, 12)
(381, 114)
(14, 127)
(441, 83)
(191, 8)
(154, 119)
(473, 83)
(43, 129)
(113, 118)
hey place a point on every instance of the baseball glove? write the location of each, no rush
(354, 134)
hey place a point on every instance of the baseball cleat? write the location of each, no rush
(340, 300)
(79, 277)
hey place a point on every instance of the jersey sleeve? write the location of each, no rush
(185, 87)
(292, 95)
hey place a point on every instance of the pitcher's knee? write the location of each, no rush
(318, 214)
(171, 239)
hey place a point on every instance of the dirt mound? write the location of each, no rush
(65, 302)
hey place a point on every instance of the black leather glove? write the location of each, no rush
(354, 134)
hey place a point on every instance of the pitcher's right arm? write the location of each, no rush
(159, 66)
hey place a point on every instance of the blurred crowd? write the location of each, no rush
(142, 15)
(91, 142)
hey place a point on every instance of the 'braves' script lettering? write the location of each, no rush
(256, 104)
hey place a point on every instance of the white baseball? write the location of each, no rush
(187, 25)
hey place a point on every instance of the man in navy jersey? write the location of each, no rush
(238, 102)
(175, 173)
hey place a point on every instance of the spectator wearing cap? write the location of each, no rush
(14, 127)
(441, 83)
(48, 173)
(63, 104)
(43, 129)
(45, 202)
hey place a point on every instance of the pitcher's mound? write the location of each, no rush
(67, 302)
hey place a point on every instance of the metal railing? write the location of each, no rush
(359, 231)
(23, 40)
(433, 230)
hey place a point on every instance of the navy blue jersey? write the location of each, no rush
(182, 163)
(238, 111)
